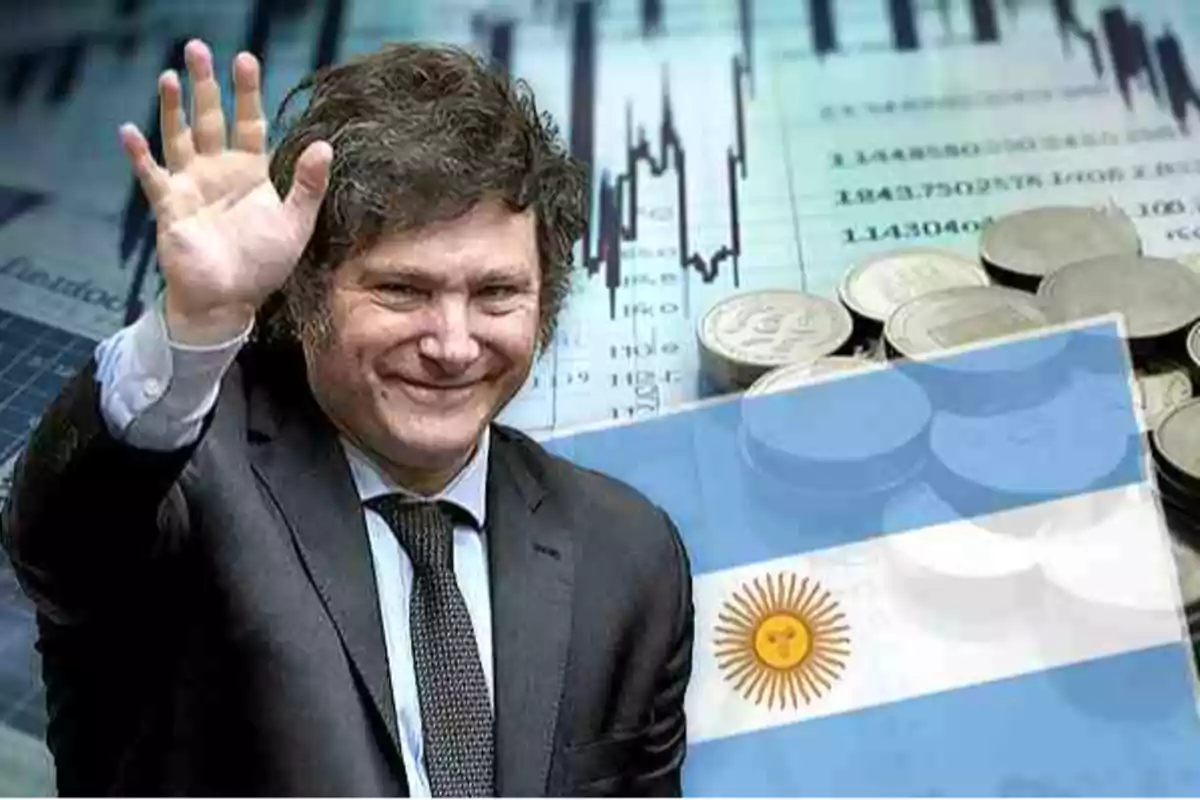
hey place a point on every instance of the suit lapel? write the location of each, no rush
(531, 565)
(299, 459)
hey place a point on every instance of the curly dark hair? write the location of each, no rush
(421, 133)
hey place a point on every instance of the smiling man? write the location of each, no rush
(276, 541)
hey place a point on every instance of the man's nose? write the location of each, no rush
(449, 341)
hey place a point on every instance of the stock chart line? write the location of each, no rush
(1161, 63)
(615, 214)
(904, 25)
(1133, 58)
(1069, 25)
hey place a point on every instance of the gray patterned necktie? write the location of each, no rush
(456, 712)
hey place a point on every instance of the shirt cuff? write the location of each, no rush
(154, 392)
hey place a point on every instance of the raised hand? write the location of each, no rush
(225, 238)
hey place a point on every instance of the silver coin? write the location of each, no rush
(748, 334)
(1161, 388)
(833, 436)
(878, 286)
(1177, 438)
(794, 376)
(1193, 346)
(950, 318)
(1036, 242)
(1156, 296)
(1064, 444)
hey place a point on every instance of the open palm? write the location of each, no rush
(225, 238)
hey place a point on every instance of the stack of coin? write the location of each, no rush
(874, 288)
(746, 335)
(947, 319)
(808, 373)
(1161, 388)
(830, 438)
(1158, 300)
(1192, 349)
(922, 330)
(1022, 248)
(1175, 446)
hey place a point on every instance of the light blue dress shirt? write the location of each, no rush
(155, 393)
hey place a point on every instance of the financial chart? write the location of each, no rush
(733, 145)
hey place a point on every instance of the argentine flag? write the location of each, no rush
(925, 578)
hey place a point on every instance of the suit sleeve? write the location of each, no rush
(95, 502)
(666, 743)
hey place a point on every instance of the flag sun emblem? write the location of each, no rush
(782, 643)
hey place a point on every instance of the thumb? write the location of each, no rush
(303, 201)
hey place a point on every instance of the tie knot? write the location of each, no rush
(423, 528)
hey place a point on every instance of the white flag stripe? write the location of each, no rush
(1087, 577)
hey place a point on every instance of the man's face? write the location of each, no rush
(434, 331)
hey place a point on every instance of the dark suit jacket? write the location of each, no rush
(208, 620)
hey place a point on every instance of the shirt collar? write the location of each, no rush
(467, 490)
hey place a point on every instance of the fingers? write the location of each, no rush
(309, 182)
(176, 136)
(206, 135)
(208, 119)
(154, 180)
(250, 126)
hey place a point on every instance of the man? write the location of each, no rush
(276, 542)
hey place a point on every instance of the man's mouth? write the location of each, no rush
(437, 394)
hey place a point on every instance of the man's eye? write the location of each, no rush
(402, 289)
(497, 292)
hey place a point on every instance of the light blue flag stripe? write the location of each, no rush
(1068, 426)
(1125, 725)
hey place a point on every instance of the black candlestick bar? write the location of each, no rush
(652, 17)
(983, 19)
(824, 36)
(500, 44)
(1181, 89)
(746, 29)
(583, 84)
(904, 25)
(1134, 60)
(1130, 56)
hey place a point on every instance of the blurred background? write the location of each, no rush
(733, 145)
